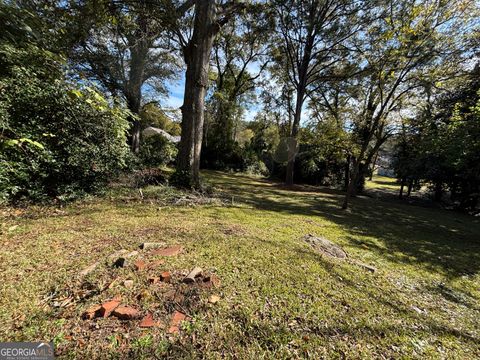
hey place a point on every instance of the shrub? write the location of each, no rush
(147, 177)
(57, 140)
(257, 168)
(253, 165)
(157, 151)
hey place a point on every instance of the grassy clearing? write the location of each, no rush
(382, 183)
(279, 299)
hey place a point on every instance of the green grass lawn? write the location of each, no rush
(279, 299)
(382, 183)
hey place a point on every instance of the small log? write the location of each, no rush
(190, 278)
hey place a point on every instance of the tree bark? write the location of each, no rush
(133, 91)
(410, 186)
(438, 192)
(373, 166)
(354, 178)
(369, 133)
(369, 160)
(134, 96)
(292, 150)
(197, 57)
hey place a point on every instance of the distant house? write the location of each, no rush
(150, 131)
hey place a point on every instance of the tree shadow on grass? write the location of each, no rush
(442, 241)
(377, 298)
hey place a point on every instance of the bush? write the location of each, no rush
(253, 165)
(147, 177)
(157, 151)
(57, 140)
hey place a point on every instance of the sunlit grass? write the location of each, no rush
(382, 182)
(279, 299)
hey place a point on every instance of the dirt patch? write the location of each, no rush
(232, 230)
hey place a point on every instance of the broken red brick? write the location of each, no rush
(139, 265)
(170, 251)
(91, 312)
(126, 313)
(107, 308)
(177, 319)
(166, 276)
(148, 321)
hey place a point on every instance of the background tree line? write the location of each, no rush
(332, 83)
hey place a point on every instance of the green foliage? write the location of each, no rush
(128, 55)
(157, 151)
(57, 140)
(254, 165)
(223, 155)
(152, 115)
(442, 148)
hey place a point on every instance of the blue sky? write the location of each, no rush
(175, 98)
(175, 93)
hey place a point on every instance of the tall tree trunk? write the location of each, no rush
(292, 148)
(373, 166)
(359, 172)
(410, 186)
(355, 175)
(133, 103)
(134, 95)
(136, 129)
(133, 91)
(369, 159)
(438, 192)
(197, 57)
(300, 98)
